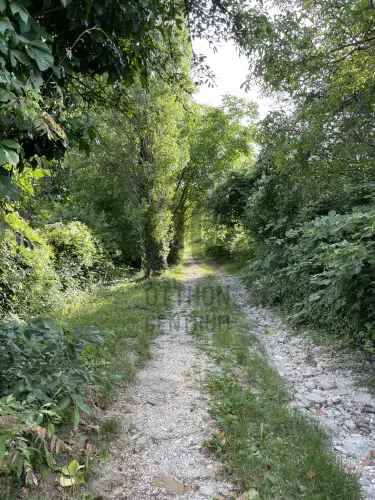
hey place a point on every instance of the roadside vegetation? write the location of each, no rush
(59, 376)
(303, 216)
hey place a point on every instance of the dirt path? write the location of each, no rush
(164, 418)
(160, 454)
(322, 386)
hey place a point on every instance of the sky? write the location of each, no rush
(230, 70)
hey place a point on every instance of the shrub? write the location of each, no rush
(220, 241)
(44, 372)
(224, 234)
(28, 281)
(76, 251)
(26, 437)
(324, 271)
(30, 354)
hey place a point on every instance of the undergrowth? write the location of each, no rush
(322, 274)
(56, 376)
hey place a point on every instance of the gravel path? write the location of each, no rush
(160, 454)
(322, 386)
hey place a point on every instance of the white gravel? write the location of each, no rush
(160, 453)
(322, 385)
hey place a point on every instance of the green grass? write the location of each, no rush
(264, 444)
(127, 317)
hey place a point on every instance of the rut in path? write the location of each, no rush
(160, 452)
(324, 384)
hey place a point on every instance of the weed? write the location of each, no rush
(110, 428)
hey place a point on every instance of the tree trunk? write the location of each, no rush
(177, 245)
(153, 254)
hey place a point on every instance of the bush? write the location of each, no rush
(224, 234)
(28, 281)
(76, 251)
(25, 440)
(324, 271)
(219, 241)
(30, 354)
(35, 395)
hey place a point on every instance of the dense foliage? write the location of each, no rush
(28, 279)
(75, 250)
(35, 396)
(46, 44)
(309, 203)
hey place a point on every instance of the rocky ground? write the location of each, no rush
(160, 452)
(324, 384)
(165, 422)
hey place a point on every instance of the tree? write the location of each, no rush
(130, 174)
(313, 192)
(220, 139)
(46, 43)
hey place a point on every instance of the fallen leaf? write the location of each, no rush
(89, 447)
(249, 495)
(31, 478)
(60, 446)
(311, 475)
(67, 482)
(222, 437)
(170, 485)
(41, 431)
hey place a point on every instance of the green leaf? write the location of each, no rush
(74, 467)
(39, 44)
(12, 157)
(5, 25)
(8, 153)
(20, 56)
(8, 189)
(10, 144)
(76, 417)
(81, 405)
(42, 57)
(3, 5)
(65, 404)
(5, 95)
(36, 80)
(16, 8)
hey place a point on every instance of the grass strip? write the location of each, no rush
(271, 450)
(128, 315)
